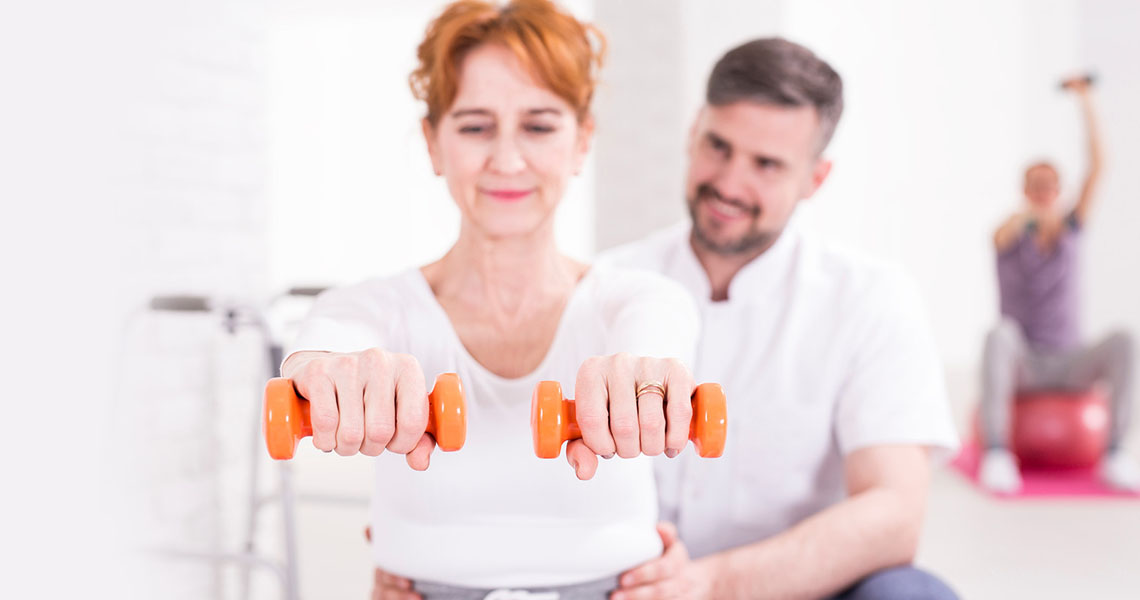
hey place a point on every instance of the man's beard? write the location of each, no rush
(750, 242)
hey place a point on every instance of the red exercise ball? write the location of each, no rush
(1060, 429)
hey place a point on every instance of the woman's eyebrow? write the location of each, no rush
(463, 112)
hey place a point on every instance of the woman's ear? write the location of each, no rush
(432, 145)
(585, 139)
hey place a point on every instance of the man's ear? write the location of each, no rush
(819, 174)
(432, 145)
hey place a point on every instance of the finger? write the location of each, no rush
(668, 533)
(319, 390)
(379, 408)
(590, 406)
(420, 456)
(582, 459)
(665, 589)
(623, 405)
(350, 407)
(411, 404)
(388, 580)
(650, 572)
(678, 407)
(650, 408)
(387, 593)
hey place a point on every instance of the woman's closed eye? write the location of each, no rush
(476, 128)
(539, 128)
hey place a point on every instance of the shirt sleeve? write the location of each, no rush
(894, 391)
(346, 319)
(650, 315)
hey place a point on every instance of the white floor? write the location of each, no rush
(1039, 549)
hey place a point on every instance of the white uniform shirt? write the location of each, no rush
(820, 354)
(492, 514)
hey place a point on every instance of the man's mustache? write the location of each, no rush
(706, 191)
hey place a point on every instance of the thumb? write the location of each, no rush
(584, 461)
(668, 533)
(420, 456)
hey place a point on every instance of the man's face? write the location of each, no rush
(749, 164)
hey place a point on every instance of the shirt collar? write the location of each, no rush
(751, 284)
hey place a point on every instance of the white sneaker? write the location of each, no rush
(1120, 471)
(999, 473)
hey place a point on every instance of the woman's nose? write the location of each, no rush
(506, 156)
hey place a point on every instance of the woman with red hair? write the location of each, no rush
(508, 124)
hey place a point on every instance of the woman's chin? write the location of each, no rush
(504, 228)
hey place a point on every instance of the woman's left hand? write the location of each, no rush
(630, 405)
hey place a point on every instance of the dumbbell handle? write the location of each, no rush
(286, 419)
(553, 423)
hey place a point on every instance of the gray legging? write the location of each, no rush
(1011, 365)
(591, 590)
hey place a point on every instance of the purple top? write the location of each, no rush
(1039, 288)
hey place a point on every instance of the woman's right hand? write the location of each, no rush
(364, 402)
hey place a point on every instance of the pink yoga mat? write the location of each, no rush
(1042, 483)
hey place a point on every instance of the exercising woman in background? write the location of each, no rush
(1037, 345)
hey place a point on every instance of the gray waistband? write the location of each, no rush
(591, 590)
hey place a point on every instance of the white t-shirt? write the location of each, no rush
(820, 354)
(492, 514)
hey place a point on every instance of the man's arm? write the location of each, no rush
(1092, 131)
(877, 526)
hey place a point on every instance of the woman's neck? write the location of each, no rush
(507, 276)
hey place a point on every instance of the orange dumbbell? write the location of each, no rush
(287, 416)
(553, 421)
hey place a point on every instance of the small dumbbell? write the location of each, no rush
(1089, 79)
(286, 418)
(553, 420)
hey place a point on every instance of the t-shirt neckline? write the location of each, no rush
(453, 336)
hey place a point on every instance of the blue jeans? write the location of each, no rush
(899, 583)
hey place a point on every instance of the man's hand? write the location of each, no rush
(386, 586)
(672, 575)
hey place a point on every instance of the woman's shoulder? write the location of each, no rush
(375, 297)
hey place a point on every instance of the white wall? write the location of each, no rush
(946, 103)
(133, 154)
(1109, 44)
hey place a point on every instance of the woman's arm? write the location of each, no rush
(1095, 152)
(1010, 231)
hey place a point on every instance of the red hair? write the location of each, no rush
(561, 52)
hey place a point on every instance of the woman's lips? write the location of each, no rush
(505, 195)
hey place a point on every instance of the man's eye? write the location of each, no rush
(539, 128)
(473, 129)
(766, 163)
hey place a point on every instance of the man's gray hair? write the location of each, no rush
(776, 71)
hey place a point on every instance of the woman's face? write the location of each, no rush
(508, 146)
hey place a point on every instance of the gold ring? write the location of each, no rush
(650, 387)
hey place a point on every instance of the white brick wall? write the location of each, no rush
(196, 222)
